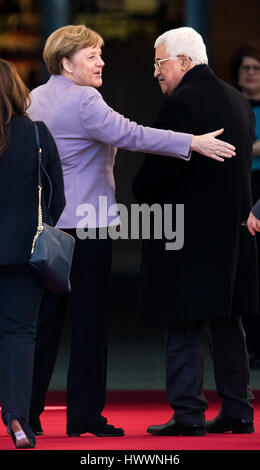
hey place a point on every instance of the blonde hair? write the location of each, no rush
(65, 41)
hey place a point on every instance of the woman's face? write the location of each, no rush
(249, 76)
(85, 67)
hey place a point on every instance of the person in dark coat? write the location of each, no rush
(21, 290)
(212, 279)
(245, 71)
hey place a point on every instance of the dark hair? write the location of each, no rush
(244, 50)
(14, 99)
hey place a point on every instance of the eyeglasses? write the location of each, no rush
(157, 62)
(247, 68)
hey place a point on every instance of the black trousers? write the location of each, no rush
(20, 297)
(87, 306)
(185, 369)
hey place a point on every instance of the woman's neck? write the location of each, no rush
(252, 96)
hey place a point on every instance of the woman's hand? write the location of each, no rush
(208, 145)
(253, 224)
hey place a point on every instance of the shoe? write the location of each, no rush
(101, 430)
(21, 432)
(36, 426)
(173, 428)
(222, 424)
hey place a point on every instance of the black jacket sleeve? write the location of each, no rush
(256, 209)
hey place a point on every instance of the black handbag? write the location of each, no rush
(52, 249)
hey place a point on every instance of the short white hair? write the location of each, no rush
(184, 40)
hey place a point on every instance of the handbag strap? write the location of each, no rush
(40, 166)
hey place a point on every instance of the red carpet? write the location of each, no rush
(134, 411)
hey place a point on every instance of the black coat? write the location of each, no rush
(19, 189)
(256, 209)
(214, 274)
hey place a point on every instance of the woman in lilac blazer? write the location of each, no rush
(87, 133)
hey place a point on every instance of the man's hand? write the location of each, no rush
(253, 224)
(208, 145)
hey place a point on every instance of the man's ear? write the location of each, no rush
(185, 62)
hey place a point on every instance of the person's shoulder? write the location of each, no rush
(41, 125)
(38, 90)
(21, 122)
(236, 94)
(88, 93)
(90, 101)
(231, 89)
(44, 133)
(22, 128)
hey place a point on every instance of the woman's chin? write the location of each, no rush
(98, 82)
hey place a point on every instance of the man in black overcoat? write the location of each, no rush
(212, 280)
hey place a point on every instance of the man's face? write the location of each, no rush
(170, 72)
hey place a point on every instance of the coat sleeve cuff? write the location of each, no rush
(256, 209)
(187, 155)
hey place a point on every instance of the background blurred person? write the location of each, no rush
(245, 69)
(20, 289)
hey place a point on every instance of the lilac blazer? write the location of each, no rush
(87, 133)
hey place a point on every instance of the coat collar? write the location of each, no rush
(196, 74)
